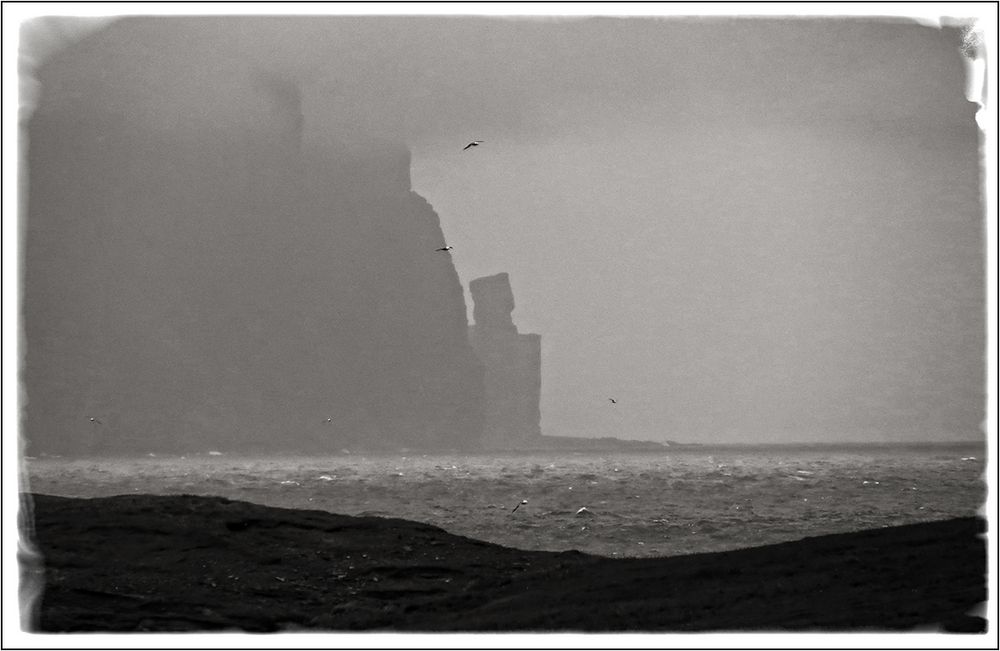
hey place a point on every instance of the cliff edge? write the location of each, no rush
(227, 283)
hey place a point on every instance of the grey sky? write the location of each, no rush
(745, 230)
(778, 240)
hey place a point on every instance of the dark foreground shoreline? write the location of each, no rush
(194, 563)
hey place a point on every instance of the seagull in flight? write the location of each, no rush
(445, 248)
(474, 143)
(94, 420)
(519, 505)
(613, 401)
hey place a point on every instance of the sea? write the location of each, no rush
(635, 504)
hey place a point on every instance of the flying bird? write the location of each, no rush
(445, 248)
(94, 420)
(519, 505)
(328, 420)
(613, 401)
(474, 143)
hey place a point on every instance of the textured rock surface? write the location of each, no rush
(212, 279)
(513, 365)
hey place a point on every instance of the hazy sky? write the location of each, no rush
(753, 231)
(744, 230)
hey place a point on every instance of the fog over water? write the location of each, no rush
(751, 230)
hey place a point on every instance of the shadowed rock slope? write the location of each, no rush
(207, 563)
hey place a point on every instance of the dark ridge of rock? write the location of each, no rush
(190, 563)
(201, 274)
(512, 364)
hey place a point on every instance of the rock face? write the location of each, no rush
(513, 365)
(493, 301)
(226, 284)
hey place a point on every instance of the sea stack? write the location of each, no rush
(513, 366)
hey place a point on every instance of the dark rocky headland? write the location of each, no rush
(222, 261)
(189, 563)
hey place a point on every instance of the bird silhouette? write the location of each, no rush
(94, 420)
(474, 143)
(328, 420)
(519, 505)
(445, 248)
(613, 401)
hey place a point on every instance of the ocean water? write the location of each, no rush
(637, 504)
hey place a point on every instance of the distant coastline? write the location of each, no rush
(611, 444)
(570, 444)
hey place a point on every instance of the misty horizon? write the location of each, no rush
(746, 230)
